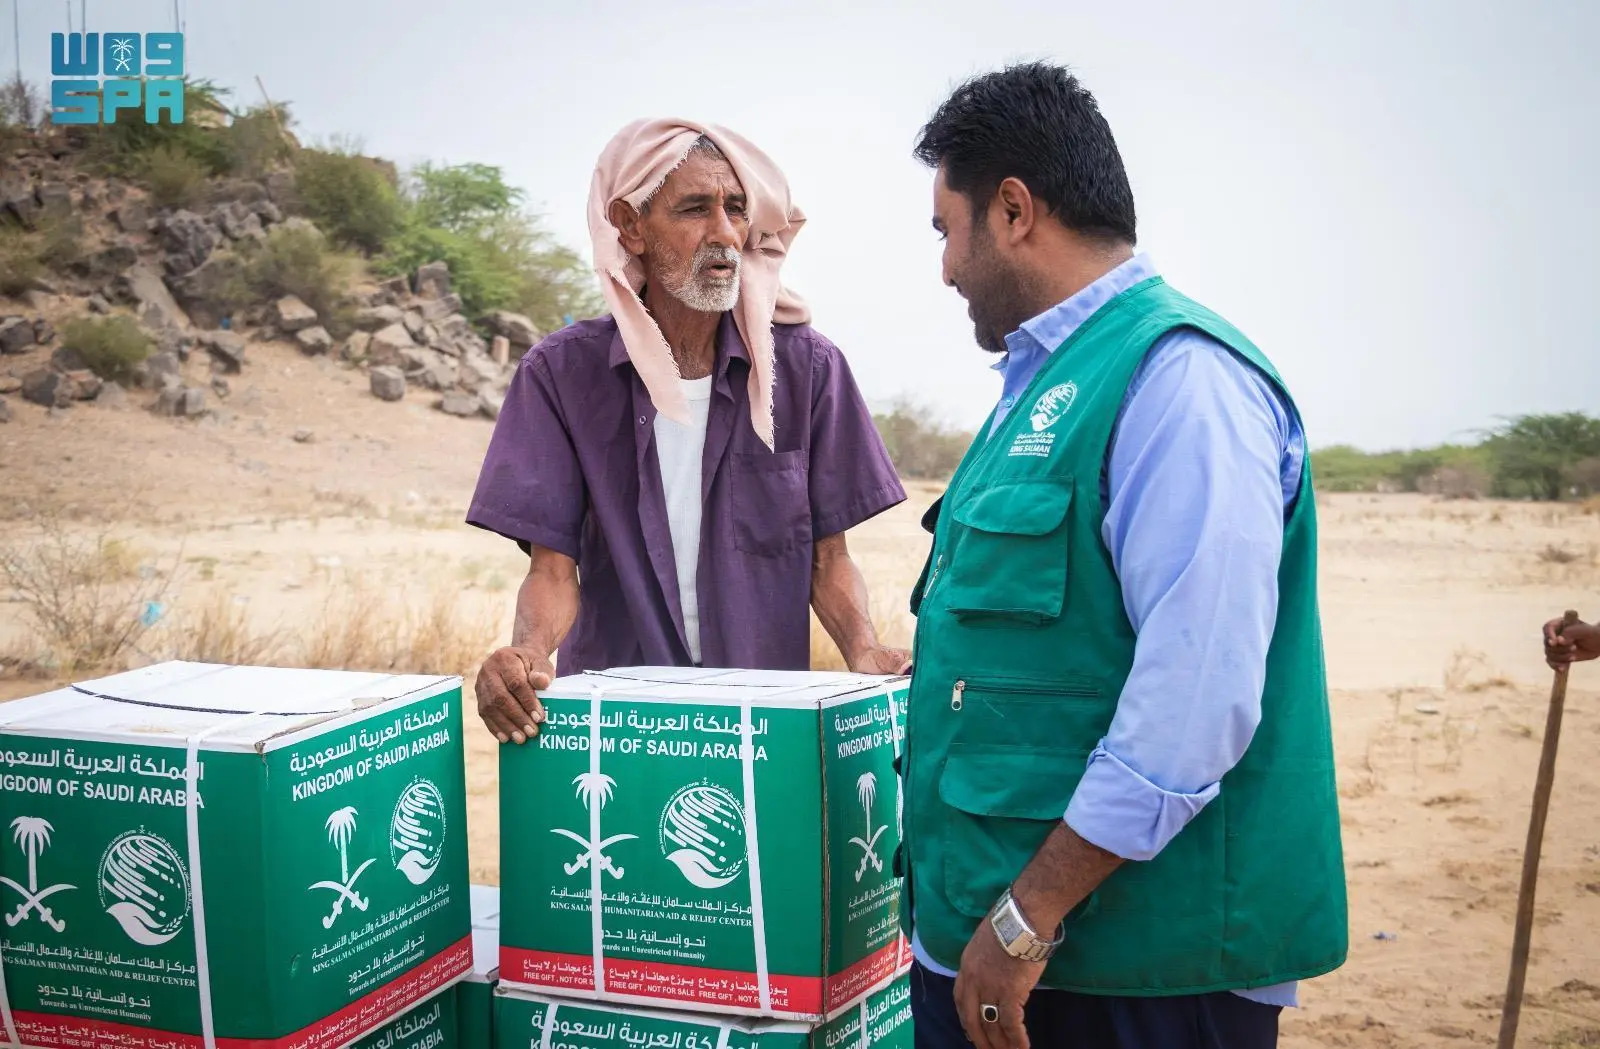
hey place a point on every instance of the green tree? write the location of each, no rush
(349, 198)
(1537, 455)
(499, 254)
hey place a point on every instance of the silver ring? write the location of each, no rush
(990, 1013)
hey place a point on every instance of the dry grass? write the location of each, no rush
(220, 631)
(1469, 671)
(88, 597)
(1558, 555)
(361, 628)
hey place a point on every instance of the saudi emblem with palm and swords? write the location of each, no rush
(341, 827)
(594, 788)
(32, 836)
(867, 792)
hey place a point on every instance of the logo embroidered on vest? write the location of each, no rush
(1047, 411)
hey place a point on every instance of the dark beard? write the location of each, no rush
(996, 297)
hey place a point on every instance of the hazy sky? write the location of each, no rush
(1396, 200)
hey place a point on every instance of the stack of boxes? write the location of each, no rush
(199, 856)
(707, 852)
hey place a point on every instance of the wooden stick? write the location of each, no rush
(273, 109)
(1530, 856)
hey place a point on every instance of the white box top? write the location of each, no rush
(775, 688)
(167, 703)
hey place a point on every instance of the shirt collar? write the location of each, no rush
(1046, 332)
(730, 346)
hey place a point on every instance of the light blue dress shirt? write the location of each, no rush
(1205, 459)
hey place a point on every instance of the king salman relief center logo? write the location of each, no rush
(416, 833)
(1048, 410)
(144, 886)
(702, 834)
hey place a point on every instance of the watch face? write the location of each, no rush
(1006, 924)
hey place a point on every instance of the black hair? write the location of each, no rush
(1036, 123)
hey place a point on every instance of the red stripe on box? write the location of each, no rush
(691, 984)
(865, 975)
(372, 1010)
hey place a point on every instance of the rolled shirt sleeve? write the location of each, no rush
(1205, 457)
(851, 476)
(531, 487)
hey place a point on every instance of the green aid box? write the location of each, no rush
(475, 993)
(256, 858)
(707, 840)
(431, 1025)
(880, 1020)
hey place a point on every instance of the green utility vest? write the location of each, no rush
(1022, 648)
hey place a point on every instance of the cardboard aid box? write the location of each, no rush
(475, 993)
(706, 839)
(252, 858)
(880, 1020)
(460, 1016)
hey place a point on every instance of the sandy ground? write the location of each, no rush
(1431, 613)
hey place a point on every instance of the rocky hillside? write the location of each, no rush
(124, 301)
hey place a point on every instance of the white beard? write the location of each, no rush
(703, 294)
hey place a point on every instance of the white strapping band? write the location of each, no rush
(866, 996)
(202, 955)
(8, 1021)
(596, 869)
(899, 811)
(549, 1025)
(758, 921)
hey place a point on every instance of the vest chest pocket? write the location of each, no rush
(1009, 559)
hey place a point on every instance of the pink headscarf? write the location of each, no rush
(632, 167)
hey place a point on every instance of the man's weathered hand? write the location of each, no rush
(1566, 645)
(880, 659)
(990, 976)
(508, 685)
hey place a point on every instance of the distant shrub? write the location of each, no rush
(55, 243)
(20, 261)
(920, 445)
(113, 347)
(255, 145)
(349, 198)
(298, 261)
(173, 177)
(124, 147)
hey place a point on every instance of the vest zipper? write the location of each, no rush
(1021, 689)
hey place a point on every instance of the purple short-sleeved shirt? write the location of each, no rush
(572, 467)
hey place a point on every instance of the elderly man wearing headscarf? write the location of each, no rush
(682, 471)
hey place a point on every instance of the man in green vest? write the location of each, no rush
(1121, 826)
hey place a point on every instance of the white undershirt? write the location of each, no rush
(679, 449)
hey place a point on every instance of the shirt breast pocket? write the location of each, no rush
(771, 499)
(1009, 560)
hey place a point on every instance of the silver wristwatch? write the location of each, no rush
(1016, 936)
